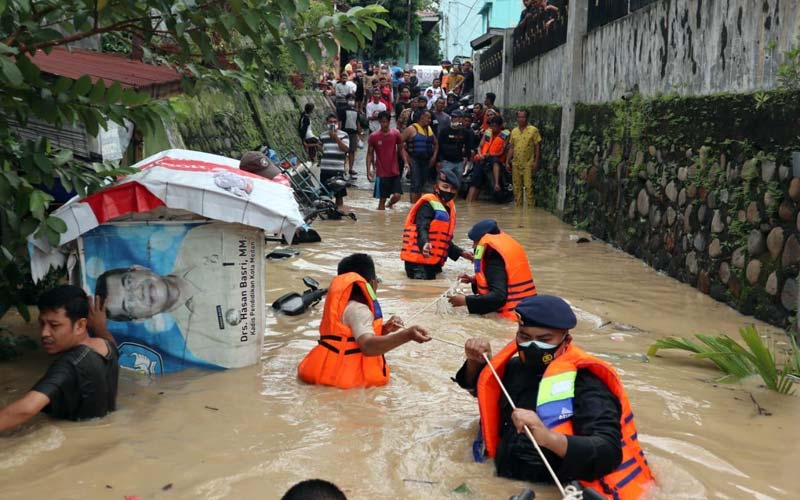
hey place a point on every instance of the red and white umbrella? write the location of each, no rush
(208, 185)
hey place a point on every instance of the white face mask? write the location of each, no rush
(540, 345)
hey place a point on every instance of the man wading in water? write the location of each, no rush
(353, 337)
(82, 382)
(573, 403)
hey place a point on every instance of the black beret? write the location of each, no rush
(449, 176)
(482, 228)
(547, 311)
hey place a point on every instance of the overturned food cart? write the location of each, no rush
(176, 250)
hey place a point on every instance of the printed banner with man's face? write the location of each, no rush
(179, 295)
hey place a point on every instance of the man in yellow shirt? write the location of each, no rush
(523, 154)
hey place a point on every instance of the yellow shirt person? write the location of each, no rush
(524, 153)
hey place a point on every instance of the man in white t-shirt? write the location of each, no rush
(359, 318)
(374, 108)
(342, 89)
(437, 90)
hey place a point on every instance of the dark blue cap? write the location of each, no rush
(449, 176)
(486, 226)
(546, 311)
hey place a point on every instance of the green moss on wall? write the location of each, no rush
(698, 187)
(231, 123)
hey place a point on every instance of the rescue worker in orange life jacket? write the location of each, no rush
(353, 336)
(428, 232)
(502, 273)
(573, 403)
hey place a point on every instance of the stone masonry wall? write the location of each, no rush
(704, 189)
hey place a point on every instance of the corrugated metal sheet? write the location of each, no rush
(67, 137)
(158, 81)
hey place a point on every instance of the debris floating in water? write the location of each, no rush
(462, 488)
(422, 481)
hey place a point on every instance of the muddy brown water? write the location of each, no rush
(251, 433)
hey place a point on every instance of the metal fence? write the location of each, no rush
(602, 12)
(536, 38)
(491, 61)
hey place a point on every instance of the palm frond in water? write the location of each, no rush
(738, 361)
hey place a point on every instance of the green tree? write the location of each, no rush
(389, 41)
(211, 42)
(430, 50)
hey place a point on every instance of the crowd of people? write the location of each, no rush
(422, 132)
(539, 15)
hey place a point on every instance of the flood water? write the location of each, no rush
(251, 433)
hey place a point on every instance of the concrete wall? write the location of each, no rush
(690, 47)
(541, 80)
(494, 85)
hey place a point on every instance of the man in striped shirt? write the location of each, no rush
(335, 144)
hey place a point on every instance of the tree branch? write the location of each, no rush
(118, 26)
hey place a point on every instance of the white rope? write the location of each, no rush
(443, 295)
(447, 342)
(571, 492)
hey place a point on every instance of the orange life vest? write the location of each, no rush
(440, 232)
(337, 360)
(518, 272)
(632, 477)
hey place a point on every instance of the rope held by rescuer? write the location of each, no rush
(568, 493)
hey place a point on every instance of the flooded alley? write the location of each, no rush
(252, 432)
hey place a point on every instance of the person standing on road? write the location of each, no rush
(342, 89)
(436, 90)
(335, 145)
(524, 152)
(455, 145)
(421, 148)
(374, 108)
(441, 120)
(469, 80)
(310, 141)
(360, 90)
(403, 103)
(384, 148)
(350, 124)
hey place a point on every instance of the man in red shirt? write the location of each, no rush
(383, 148)
(385, 87)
